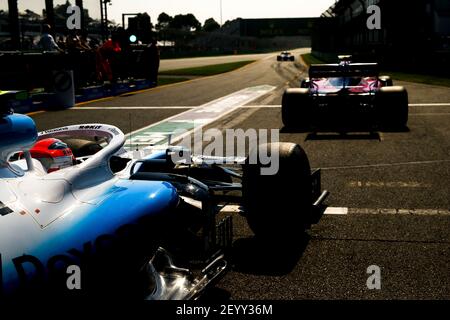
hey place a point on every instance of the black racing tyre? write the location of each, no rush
(386, 81)
(296, 108)
(278, 205)
(82, 147)
(292, 58)
(279, 58)
(392, 107)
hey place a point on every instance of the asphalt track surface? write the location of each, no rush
(394, 187)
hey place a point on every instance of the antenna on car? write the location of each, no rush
(131, 131)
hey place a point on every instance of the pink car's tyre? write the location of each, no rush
(392, 107)
(296, 108)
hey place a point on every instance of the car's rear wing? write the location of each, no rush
(348, 70)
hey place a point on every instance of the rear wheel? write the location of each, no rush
(296, 108)
(392, 107)
(386, 81)
(278, 205)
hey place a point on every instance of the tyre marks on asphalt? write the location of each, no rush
(389, 184)
(381, 165)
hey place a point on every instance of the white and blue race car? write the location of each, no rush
(115, 218)
(285, 56)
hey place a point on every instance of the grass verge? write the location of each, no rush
(395, 75)
(310, 59)
(418, 78)
(162, 81)
(206, 70)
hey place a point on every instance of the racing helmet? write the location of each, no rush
(53, 154)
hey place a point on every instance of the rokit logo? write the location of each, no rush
(90, 127)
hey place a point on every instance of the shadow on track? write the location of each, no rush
(343, 133)
(268, 257)
(343, 136)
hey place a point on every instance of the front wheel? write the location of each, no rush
(278, 205)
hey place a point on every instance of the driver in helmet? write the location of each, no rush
(53, 154)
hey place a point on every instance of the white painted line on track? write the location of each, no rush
(342, 211)
(429, 104)
(275, 106)
(133, 108)
(428, 114)
(328, 211)
(411, 105)
(336, 211)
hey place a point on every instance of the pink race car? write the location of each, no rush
(345, 95)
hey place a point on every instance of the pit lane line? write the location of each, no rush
(251, 107)
(134, 108)
(343, 211)
(162, 107)
(411, 105)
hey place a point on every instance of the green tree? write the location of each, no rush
(185, 21)
(164, 21)
(211, 25)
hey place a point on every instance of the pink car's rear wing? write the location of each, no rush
(347, 70)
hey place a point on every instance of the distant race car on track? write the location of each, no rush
(345, 95)
(285, 56)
